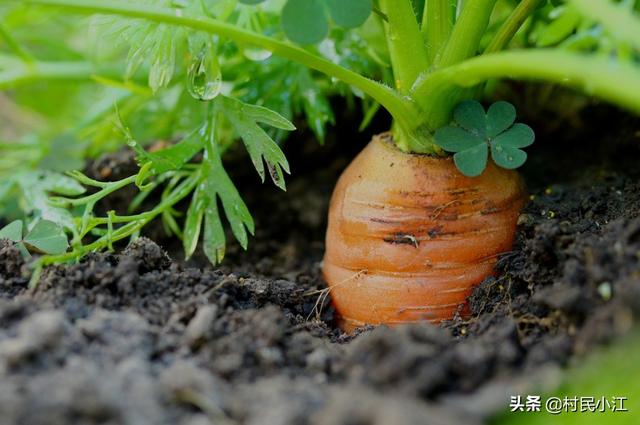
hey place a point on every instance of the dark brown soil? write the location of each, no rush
(139, 337)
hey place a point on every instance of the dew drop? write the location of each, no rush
(510, 158)
(256, 54)
(204, 77)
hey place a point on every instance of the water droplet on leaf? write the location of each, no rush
(256, 54)
(204, 77)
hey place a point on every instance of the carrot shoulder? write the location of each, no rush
(409, 236)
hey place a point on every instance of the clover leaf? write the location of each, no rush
(349, 14)
(307, 21)
(478, 132)
(12, 231)
(45, 237)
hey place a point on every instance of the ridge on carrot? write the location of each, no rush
(176, 69)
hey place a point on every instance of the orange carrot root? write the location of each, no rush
(409, 235)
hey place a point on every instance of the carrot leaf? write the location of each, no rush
(171, 158)
(193, 222)
(219, 185)
(245, 118)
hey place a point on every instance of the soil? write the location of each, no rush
(141, 337)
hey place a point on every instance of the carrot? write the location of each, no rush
(409, 235)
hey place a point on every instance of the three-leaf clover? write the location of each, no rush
(307, 21)
(478, 132)
(45, 237)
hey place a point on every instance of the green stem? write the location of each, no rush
(463, 44)
(401, 108)
(511, 26)
(406, 45)
(467, 32)
(108, 189)
(595, 75)
(437, 24)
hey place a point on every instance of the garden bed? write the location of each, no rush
(139, 337)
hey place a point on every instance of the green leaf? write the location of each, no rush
(500, 116)
(518, 136)
(350, 13)
(305, 21)
(261, 147)
(218, 183)
(214, 239)
(504, 148)
(471, 162)
(264, 115)
(193, 223)
(240, 220)
(470, 116)
(507, 157)
(174, 157)
(251, 1)
(455, 139)
(471, 142)
(169, 159)
(47, 237)
(12, 231)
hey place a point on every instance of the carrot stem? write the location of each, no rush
(592, 74)
(510, 27)
(437, 24)
(406, 46)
